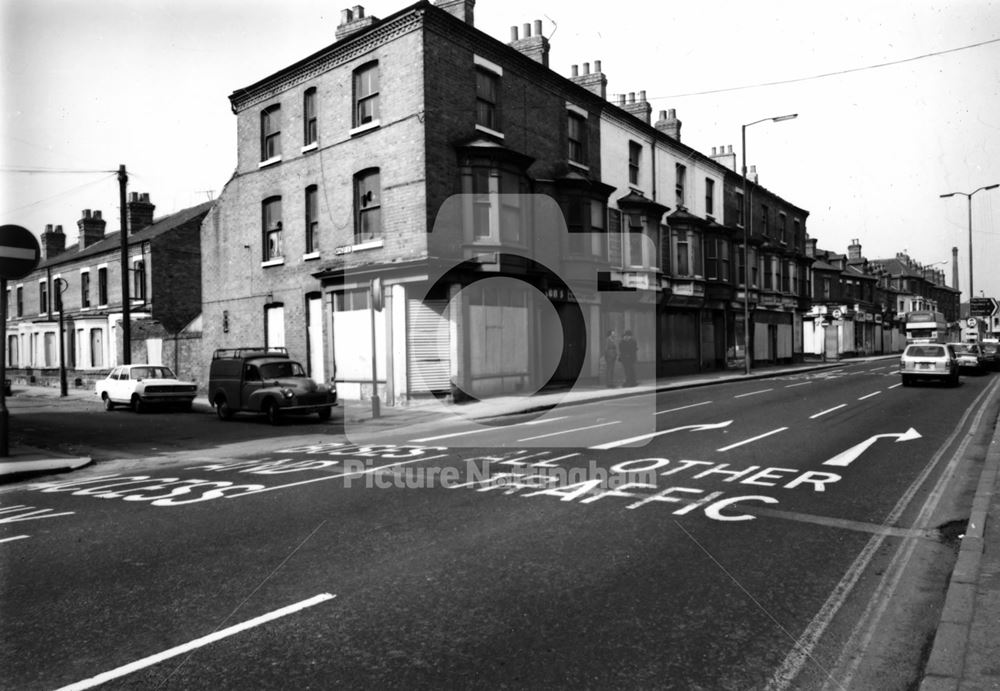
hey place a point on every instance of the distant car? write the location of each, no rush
(141, 386)
(970, 356)
(934, 361)
(991, 356)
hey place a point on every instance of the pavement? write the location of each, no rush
(965, 655)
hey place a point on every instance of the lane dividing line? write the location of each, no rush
(752, 393)
(16, 537)
(197, 643)
(567, 431)
(683, 407)
(752, 439)
(869, 395)
(828, 410)
(480, 430)
(896, 385)
(805, 383)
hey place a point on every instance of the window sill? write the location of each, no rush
(579, 166)
(487, 130)
(309, 256)
(361, 129)
(277, 261)
(310, 147)
(359, 247)
(269, 162)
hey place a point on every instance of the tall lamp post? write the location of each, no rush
(61, 285)
(747, 219)
(968, 197)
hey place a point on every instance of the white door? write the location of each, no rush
(275, 320)
(314, 332)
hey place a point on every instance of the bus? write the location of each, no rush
(926, 327)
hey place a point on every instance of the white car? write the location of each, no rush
(140, 386)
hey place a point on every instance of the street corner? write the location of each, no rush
(24, 461)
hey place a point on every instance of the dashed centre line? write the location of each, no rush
(567, 431)
(828, 410)
(480, 430)
(752, 393)
(876, 393)
(683, 407)
(752, 439)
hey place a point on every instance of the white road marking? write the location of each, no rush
(896, 385)
(845, 458)
(877, 369)
(828, 410)
(752, 439)
(752, 393)
(683, 407)
(480, 430)
(333, 477)
(805, 383)
(643, 437)
(567, 431)
(869, 395)
(16, 537)
(197, 643)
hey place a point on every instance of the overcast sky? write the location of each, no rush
(91, 85)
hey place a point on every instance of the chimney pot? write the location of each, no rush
(586, 68)
(513, 33)
(574, 71)
(597, 65)
(713, 148)
(642, 95)
(97, 214)
(527, 30)
(538, 27)
(729, 149)
(86, 213)
(359, 12)
(346, 16)
(48, 227)
(671, 112)
(621, 99)
(631, 97)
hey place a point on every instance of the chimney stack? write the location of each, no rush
(463, 9)
(639, 108)
(670, 125)
(854, 251)
(954, 268)
(91, 227)
(53, 241)
(752, 175)
(352, 21)
(811, 247)
(725, 157)
(595, 82)
(140, 211)
(534, 46)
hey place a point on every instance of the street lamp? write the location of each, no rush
(747, 216)
(968, 197)
(61, 285)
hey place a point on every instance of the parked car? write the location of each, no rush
(970, 356)
(265, 380)
(991, 355)
(141, 386)
(934, 361)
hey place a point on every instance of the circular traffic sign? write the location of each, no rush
(837, 314)
(19, 252)
(971, 321)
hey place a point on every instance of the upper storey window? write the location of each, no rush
(366, 94)
(270, 133)
(487, 99)
(310, 133)
(576, 134)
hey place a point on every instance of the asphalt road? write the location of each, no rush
(787, 533)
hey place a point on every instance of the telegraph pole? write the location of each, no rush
(126, 300)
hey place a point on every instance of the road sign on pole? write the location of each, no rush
(19, 255)
(19, 252)
(982, 307)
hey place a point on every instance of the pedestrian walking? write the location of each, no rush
(610, 358)
(627, 353)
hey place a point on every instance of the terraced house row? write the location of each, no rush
(507, 216)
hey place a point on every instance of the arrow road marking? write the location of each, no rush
(846, 457)
(644, 437)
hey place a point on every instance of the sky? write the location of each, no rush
(897, 102)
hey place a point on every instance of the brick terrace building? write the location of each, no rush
(165, 293)
(417, 146)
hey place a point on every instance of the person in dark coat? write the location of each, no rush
(610, 358)
(627, 353)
